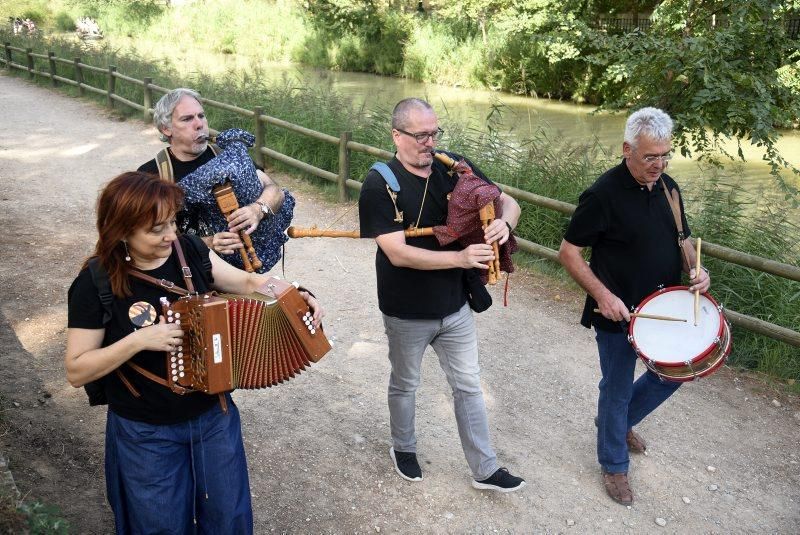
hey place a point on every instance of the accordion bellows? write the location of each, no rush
(233, 341)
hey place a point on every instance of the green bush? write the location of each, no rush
(63, 22)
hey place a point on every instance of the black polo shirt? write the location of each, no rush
(633, 237)
(403, 292)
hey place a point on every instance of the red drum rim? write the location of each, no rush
(721, 359)
(702, 355)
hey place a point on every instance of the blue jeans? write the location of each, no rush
(454, 340)
(623, 403)
(182, 478)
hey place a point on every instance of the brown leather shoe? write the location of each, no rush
(635, 442)
(618, 488)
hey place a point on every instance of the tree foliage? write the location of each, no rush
(719, 67)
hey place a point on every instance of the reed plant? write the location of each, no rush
(718, 212)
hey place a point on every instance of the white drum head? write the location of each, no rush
(676, 341)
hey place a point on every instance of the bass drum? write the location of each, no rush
(676, 350)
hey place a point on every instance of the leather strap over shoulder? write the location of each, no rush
(674, 201)
(169, 285)
(164, 164)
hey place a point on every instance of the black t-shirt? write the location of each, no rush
(157, 403)
(633, 237)
(188, 222)
(403, 292)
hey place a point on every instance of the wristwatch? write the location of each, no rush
(265, 209)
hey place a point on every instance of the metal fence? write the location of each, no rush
(46, 66)
(628, 24)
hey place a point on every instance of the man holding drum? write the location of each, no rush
(626, 218)
(422, 296)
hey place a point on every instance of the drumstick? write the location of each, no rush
(649, 316)
(697, 292)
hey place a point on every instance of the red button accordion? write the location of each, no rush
(233, 341)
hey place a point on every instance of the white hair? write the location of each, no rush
(650, 122)
(162, 111)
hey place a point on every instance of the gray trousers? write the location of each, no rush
(454, 340)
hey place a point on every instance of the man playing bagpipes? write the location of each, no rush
(421, 291)
(264, 210)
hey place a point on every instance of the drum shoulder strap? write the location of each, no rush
(673, 200)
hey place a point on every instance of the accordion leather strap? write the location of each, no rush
(169, 285)
(185, 271)
(155, 378)
(135, 393)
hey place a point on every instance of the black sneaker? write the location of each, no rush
(406, 465)
(501, 481)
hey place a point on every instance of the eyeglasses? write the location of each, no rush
(653, 158)
(422, 137)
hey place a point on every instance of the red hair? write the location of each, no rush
(130, 201)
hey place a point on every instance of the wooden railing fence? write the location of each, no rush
(342, 178)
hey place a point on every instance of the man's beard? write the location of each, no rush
(424, 159)
(199, 147)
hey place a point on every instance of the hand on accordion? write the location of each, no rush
(161, 336)
(318, 312)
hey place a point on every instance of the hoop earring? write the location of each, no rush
(127, 254)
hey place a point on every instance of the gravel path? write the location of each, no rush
(723, 452)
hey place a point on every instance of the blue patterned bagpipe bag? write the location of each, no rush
(235, 165)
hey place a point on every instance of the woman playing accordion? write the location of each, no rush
(164, 450)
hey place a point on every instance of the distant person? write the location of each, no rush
(628, 222)
(181, 120)
(422, 296)
(174, 463)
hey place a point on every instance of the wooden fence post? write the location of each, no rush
(79, 76)
(51, 57)
(112, 82)
(344, 165)
(148, 100)
(28, 52)
(8, 56)
(259, 134)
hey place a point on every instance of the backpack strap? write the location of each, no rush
(392, 187)
(103, 285)
(164, 165)
(387, 174)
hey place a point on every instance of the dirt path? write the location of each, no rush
(724, 452)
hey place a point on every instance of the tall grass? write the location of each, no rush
(718, 212)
